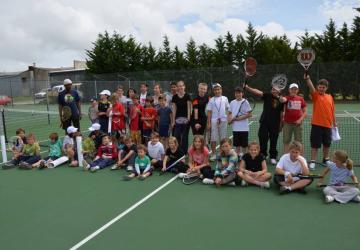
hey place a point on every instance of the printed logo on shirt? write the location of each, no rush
(68, 98)
(294, 105)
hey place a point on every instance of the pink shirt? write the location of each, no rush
(197, 157)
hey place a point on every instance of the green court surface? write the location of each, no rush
(56, 209)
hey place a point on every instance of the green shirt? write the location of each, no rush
(55, 148)
(143, 164)
(31, 150)
(89, 145)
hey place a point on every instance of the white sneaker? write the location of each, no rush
(213, 157)
(312, 166)
(273, 161)
(114, 167)
(232, 184)
(329, 199)
(94, 169)
(356, 198)
(129, 168)
(244, 183)
(208, 181)
(181, 175)
(86, 165)
(266, 185)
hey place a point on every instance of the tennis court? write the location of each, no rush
(57, 209)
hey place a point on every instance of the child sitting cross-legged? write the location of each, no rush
(106, 156)
(16, 148)
(142, 165)
(55, 146)
(126, 156)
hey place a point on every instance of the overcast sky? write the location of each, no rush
(53, 33)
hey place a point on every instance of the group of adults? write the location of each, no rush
(280, 113)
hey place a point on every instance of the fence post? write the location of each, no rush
(95, 85)
(47, 103)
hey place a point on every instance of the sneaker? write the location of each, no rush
(273, 161)
(312, 166)
(24, 165)
(326, 160)
(42, 164)
(356, 198)
(232, 184)
(130, 168)
(284, 190)
(181, 175)
(213, 157)
(141, 177)
(127, 178)
(244, 183)
(9, 165)
(329, 199)
(266, 185)
(208, 181)
(94, 169)
(86, 165)
(114, 167)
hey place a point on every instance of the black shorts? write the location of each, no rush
(75, 121)
(240, 138)
(320, 135)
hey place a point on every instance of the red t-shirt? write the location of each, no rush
(118, 117)
(149, 112)
(293, 108)
(107, 150)
(134, 115)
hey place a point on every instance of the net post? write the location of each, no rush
(79, 150)
(47, 104)
(2, 136)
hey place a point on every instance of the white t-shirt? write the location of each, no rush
(286, 164)
(242, 125)
(155, 151)
(68, 141)
(142, 99)
(218, 107)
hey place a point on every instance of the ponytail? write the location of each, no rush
(349, 164)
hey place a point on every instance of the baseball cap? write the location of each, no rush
(215, 85)
(239, 89)
(105, 92)
(95, 126)
(293, 85)
(71, 130)
(67, 81)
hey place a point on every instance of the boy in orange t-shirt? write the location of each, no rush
(323, 119)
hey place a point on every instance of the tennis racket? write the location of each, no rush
(191, 178)
(305, 58)
(66, 113)
(15, 143)
(309, 176)
(250, 66)
(172, 165)
(279, 82)
(342, 184)
(242, 111)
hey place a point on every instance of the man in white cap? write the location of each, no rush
(69, 106)
(295, 113)
(270, 120)
(96, 134)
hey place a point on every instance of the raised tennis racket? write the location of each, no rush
(305, 58)
(250, 66)
(248, 102)
(191, 178)
(66, 113)
(279, 82)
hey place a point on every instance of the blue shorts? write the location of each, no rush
(164, 130)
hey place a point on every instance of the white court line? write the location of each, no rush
(351, 115)
(104, 227)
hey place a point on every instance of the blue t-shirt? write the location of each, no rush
(164, 115)
(70, 99)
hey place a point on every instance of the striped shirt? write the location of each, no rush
(226, 164)
(338, 175)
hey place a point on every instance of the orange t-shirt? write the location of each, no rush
(323, 110)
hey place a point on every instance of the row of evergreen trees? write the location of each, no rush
(117, 53)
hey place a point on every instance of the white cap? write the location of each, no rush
(67, 81)
(293, 85)
(71, 130)
(94, 126)
(215, 85)
(105, 92)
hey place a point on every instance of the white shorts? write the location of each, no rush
(218, 131)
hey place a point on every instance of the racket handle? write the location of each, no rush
(306, 73)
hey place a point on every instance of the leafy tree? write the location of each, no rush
(191, 54)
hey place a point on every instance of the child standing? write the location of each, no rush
(148, 118)
(103, 107)
(340, 169)
(239, 113)
(165, 118)
(55, 147)
(135, 114)
(93, 111)
(142, 165)
(289, 166)
(105, 157)
(117, 112)
(156, 150)
(29, 155)
(217, 118)
(172, 154)
(253, 168)
(226, 167)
